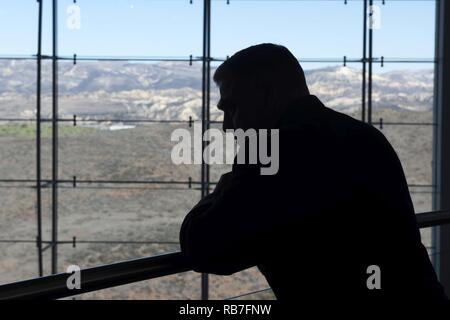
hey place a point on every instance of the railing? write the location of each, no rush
(96, 278)
(116, 274)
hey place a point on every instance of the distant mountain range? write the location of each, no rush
(172, 90)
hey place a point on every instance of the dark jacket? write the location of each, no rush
(338, 204)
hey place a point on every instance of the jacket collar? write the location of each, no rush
(303, 110)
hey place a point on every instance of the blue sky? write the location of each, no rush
(310, 29)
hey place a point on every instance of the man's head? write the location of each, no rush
(257, 84)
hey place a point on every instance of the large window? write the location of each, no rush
(94, 182)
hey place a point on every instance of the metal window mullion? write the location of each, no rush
(369, 85)
(364, 64)
(441, 145)
(54, 263)
(38, 142)
(205, 116)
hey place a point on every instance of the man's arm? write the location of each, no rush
(226, 232)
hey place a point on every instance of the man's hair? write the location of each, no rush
(263, 80)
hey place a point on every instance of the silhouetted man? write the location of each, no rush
(335, 222)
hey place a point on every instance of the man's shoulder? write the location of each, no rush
(346, 121)
(350, 128)
(357, 140)
(315, 121)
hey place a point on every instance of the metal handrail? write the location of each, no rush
(96, 278)
(433, 218)
(116, 274)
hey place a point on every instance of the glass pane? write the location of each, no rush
(18, 27)
(18, 212)
(130, 90)
(47, 229)
(123, 213)
(18, 150)
(302, 26)
(123, 152)
(405, 29)
(152, 28)
(403, 93)
(17, 115)
(241, 283)
(116, 105)
(17, 89)
(18, 262)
